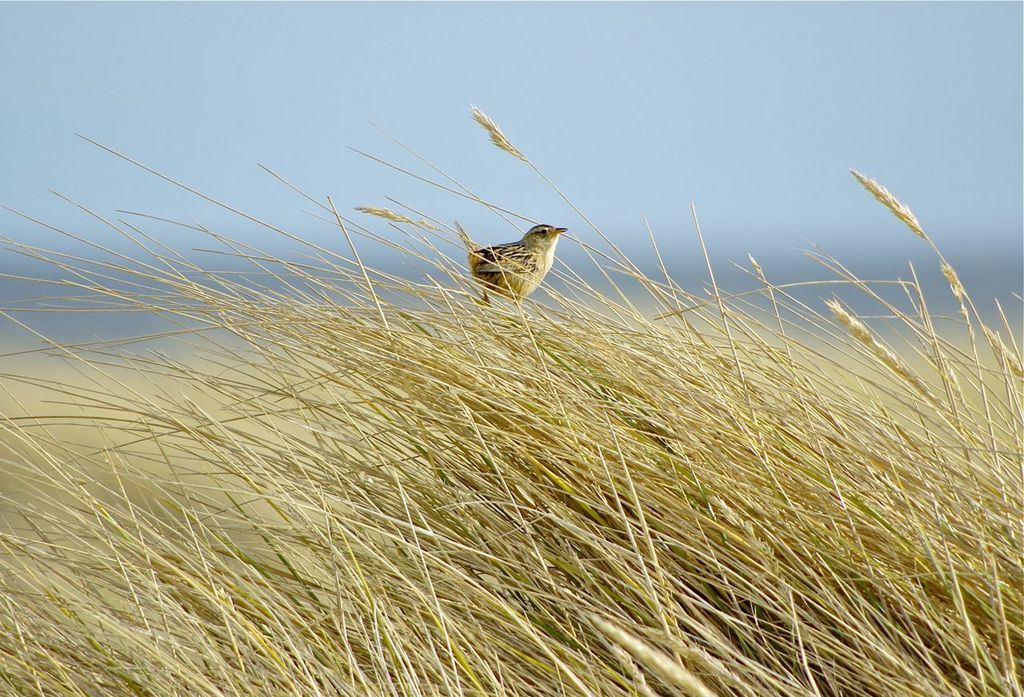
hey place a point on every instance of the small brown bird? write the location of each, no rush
(514, 270)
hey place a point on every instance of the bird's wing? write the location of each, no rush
(504, 258)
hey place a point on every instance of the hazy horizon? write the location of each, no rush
(753, 112)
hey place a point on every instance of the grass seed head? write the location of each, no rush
(391, 215)
(497, 137)
(883, 353)
(891, 202)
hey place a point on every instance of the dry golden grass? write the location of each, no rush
(369, 485)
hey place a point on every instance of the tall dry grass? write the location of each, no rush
(361, 484)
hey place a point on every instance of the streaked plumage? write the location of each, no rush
(515, 269)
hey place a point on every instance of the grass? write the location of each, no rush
(348, 482)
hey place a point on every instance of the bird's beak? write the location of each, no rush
(560, 230)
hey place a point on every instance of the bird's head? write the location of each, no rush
(542, 236)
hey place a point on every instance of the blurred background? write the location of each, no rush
(753, 112)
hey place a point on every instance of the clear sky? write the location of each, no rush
(753, 111)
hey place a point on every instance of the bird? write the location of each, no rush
(515, 269)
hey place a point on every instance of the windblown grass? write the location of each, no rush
(365, 485)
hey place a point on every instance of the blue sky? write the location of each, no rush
(753, 111)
